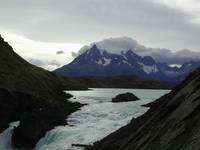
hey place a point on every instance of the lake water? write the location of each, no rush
(95, 120)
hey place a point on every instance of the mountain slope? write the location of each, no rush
(97, 62)
(17, 74)
(32, 95)
(171, 123)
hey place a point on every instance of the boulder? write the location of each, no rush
(126, 97)
(68, 96)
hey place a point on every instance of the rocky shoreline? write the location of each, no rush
(36, 116)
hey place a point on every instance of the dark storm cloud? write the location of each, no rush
(170, 57)
(90, 20)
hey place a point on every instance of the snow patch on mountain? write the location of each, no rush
(149, 69)
(103, 61)
(107, 61)
(125, 62)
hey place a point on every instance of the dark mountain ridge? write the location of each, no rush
(128, 82)
(19, 75)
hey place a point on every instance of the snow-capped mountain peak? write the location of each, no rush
(99, 62)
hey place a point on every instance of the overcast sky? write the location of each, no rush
(37, 29)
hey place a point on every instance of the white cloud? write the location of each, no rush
(40, 53)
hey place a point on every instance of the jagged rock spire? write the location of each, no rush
(94, 46)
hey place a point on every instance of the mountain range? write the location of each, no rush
(100, 62)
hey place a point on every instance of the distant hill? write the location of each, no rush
(98, 62)
(133, 82)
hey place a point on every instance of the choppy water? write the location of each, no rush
(95, 120)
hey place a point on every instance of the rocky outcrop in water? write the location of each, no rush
(33, 96)
(171, 123)
(126, 97)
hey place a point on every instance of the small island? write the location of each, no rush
(125, 97)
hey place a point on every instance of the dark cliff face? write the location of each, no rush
(172, 123)
(33, 96)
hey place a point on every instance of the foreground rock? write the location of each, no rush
(172, 123)
(36, 116)
(33, 96)
(126, 97)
